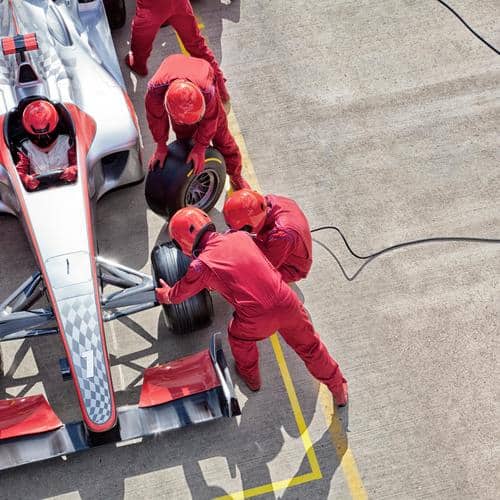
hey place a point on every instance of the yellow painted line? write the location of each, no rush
(270, 487)
(339, 438)
(297, 410)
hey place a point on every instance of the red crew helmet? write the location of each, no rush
(187, 226)
(40, 117)
(245, 209)
(184, 102)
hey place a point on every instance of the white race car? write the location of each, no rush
(62, 51)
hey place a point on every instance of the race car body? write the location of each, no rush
(75, 62)
(62, 52)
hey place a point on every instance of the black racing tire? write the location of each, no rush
(170, 264)
(169, 189)
(116, 12)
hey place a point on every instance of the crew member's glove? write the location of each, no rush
(159, 157)
(162, 293)
(31, 182)
(69, 174)
(197, 156)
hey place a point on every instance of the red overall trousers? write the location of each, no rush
(233, 265)
(151, 14)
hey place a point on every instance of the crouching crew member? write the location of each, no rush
(280, 230)
(45, 150)
(184, 89)
(150, 15)
(233, 265)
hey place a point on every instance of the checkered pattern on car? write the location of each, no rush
(81, 329)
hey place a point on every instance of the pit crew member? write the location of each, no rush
(233, 265)
(184, 89)
(280, 230)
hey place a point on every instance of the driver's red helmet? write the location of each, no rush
(184, 102)
(245, 209)
(40, 117)
(187, 226)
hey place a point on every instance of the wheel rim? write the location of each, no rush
(202, 189)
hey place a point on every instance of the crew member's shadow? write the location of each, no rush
(213, 15)
(247, 444)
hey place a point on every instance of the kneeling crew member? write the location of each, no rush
(232, 265)
(280, 227)
(44, 151)
(184, 89)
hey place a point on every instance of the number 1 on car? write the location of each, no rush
(88, 356)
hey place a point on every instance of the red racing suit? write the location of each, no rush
(36, 160)
(286, 239)
(213, 126)
(232, 265)
(151, 14)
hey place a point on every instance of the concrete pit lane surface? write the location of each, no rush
(382, 119)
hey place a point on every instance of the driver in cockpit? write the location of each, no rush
(45, 150)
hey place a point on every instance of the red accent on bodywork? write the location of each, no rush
(30, 41)
(27, 415)
(85, 128)
(177, 379)
(131, 109)
(16, 27)
(19, 43)
(8, 46)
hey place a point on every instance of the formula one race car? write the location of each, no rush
(62, 52)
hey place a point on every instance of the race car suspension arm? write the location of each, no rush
(137, 290)
(17, 320)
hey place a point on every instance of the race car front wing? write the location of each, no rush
(191, 390)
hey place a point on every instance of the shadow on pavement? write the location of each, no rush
(213, 15)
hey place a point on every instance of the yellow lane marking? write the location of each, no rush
(339, 438)
(270, 487)
(297, 410)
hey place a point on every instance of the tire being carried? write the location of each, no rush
(170, 264)
(171, 188)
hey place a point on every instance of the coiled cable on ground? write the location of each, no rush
(368, 258)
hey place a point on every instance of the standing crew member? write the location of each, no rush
(45, 150)
(184, 89)
(232, 265)
(150, 15)
(280, 227)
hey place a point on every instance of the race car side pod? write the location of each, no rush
(191, 390)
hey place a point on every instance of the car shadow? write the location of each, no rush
(120, 222)
(247, 444)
